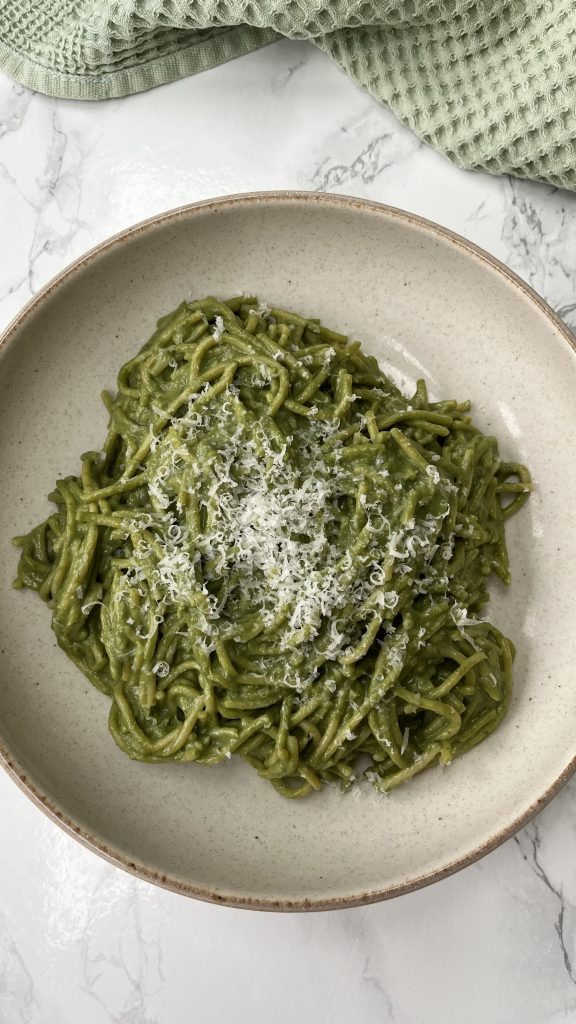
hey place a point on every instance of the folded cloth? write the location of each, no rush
(491, 84)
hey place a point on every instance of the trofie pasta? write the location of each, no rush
(277, 555)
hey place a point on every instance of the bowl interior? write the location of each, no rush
(424, 304)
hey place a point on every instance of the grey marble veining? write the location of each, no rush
(82, 941)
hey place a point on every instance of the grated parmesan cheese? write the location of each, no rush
(218, 329)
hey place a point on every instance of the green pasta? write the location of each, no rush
(277, 555)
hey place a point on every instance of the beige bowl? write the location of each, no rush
(425, 302)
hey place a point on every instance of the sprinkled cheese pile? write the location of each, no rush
(246, 519)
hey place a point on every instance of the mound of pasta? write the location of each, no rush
(277, 555)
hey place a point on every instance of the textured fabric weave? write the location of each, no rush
(489, 83)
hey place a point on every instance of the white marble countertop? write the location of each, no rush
(79, 939)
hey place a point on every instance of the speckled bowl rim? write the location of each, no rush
(48, 805)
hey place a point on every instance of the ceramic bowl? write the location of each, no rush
(425, 302)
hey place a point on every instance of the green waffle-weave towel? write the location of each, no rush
(490, 83)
